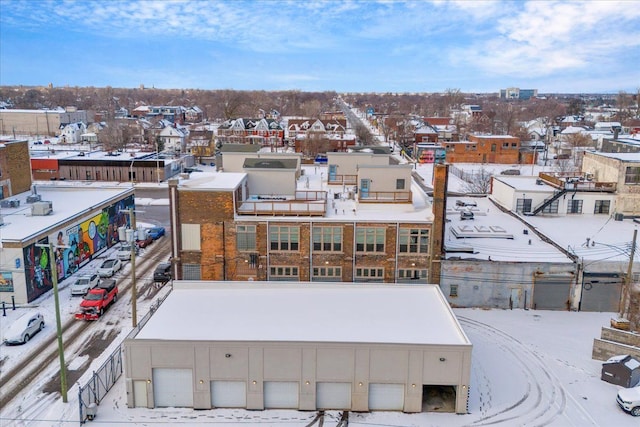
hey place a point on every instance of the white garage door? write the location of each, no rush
(280, 394)
(333, 395)
(172, 387)
(228, 394)
(386, 397)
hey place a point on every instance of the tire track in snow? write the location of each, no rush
(545, 399)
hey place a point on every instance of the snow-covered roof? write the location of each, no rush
(68, 200)
(340, 313)
(625, 157)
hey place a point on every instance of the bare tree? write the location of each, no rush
(363, 134)
(479, 182)
(315, 143)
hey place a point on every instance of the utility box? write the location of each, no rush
(41, 208)
(621, 370)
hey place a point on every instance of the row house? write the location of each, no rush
(272, 222)
(263, 132)
(314, 136)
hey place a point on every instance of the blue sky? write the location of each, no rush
(346, 46)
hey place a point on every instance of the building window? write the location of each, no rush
(327, 239)
(514, 145)
(191, 272)
(602, 206)
(284, 238)
(471, 147)
(523, 205)
(552, 208)
(632, 175)
(493, 148)
(574, 207)
(369, 274)
(283, 273)
(400, 184)
(453, 290)
(505, 145)
(327, 273)
(190, 237)
(370, 239)
(412, 275)
(246, 237)
(414, 240)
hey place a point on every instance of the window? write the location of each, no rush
(552, 208)
(602, 206)
(370, 239)
(514, 145)
(412, 275)
(471, 147)
(283, 273)
(493, 148)
(327, 239)
(523, 205)
(400, 184)
(327, 273)
(284, 238)
(369, 274)
(190, 237)
(453, 291)
(505, 145)
(632, 175)
(246, 237)
(191, 272)
(574, 207)
(414, 240)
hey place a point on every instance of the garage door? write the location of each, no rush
(333, 395)
(601, 293)
(172, 387)
(280, 395)
(386, 397)
(228, 394)
(551, 293)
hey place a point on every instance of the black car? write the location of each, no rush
(162, 273)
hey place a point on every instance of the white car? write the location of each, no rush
(24, 328)
(85, 283)
(629, 400)
(109, 267)
(124, 251)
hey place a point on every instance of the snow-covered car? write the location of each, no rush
(156, 232)
(143, 243)
(124, 251)
(109, 267)
(629, 400)
(24, 328)
(84, 284)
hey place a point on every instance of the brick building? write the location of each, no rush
(227, 227)
(503, 149)
(14, 176)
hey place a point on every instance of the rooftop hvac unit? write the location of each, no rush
(41, 208)
(9, 203)
(32, 198)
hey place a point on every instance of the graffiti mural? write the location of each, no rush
(74, 247)
(6, 281)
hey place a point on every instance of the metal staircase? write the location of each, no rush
(546, 203)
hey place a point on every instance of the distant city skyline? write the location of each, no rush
(324, 45)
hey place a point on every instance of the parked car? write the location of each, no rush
(162, 273)
(629, 400)
(143, 243)
(124, 251)
(156, 232)
(85, 283)
(24, 328)
(109, 267)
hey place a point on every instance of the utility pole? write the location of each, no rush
(130, 238)
(624, 306)
(54, 280)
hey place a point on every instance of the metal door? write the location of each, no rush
(228, 394)
(601, 292)
(333, 395)
(365, 184)
(172, 387)
(280, 395)
(551, 293)
(333, 172)
(386, 397)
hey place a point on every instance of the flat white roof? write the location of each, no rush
(493, 235)
(305, 312)
(68, 200)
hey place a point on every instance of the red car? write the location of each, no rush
(145, 242)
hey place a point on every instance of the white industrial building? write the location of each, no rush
(263, 345)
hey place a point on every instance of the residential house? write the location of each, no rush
(174, 138)
(503, 149)
(314, 136)
(72, 133)
(263, 131)
(193, 114)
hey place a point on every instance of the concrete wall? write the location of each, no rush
(383, 178)
(347, 163)
(305, 363)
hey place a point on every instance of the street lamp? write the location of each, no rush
(54, 280)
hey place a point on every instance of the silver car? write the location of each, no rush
(24, 328)
(85, 283)
(109, 267)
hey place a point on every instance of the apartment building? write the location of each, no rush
(271, 222)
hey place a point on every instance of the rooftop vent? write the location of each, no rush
(9, 203)
(32, 198)
(41, 208)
